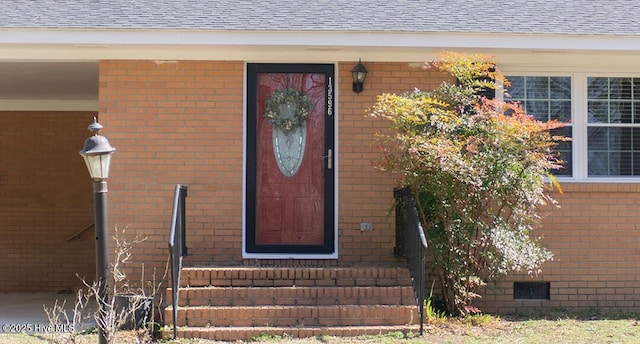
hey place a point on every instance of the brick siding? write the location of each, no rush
(595, 240)
(46, 198)
(182, 122)
(176, 122)
(365, 194)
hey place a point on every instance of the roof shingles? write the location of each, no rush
(581, 17)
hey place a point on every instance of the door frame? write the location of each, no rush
(331, 203)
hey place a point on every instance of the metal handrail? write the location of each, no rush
(411, 243)
(177, 247)
(79, 233)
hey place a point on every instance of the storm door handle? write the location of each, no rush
(329, 158)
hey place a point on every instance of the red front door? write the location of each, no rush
(290, 159)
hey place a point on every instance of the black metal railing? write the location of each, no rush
(177, 247)
(79, 233)
(411, 244)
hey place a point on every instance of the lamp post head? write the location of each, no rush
(97, 153)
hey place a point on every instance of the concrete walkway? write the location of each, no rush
(27, 310)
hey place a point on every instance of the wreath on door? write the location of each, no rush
(287, 109)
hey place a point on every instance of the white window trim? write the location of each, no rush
(579, 130)
(579, 123)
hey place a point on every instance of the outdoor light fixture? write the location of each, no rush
(359, 73)
(97, 155)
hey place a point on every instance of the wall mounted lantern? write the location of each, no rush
(359, 73)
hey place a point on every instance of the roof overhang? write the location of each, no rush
(63, 63)
(27, 44)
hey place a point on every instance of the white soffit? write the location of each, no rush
(243, 45)
(322, 38)
(57, 85)
(45, 69)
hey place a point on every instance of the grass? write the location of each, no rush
(549, 327)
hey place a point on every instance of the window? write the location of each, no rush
(603, 112)
(547, 98)
(613, 126)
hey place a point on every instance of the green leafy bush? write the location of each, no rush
(478, 169)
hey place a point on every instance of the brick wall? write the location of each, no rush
(595, 240)
(175, 122)
(45, 198)
(365, 194)
(594, 235)
(182, 122)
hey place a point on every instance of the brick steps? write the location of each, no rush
(238, 303)
(281, 277)
(337, 315)
(298, 296)
(246, 333)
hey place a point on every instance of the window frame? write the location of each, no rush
(608, 124)
(579, 121)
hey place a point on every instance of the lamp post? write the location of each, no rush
(97, 155)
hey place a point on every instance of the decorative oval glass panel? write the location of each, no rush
(287, 111)
(288, 148)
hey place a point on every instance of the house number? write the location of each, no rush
(330, 98)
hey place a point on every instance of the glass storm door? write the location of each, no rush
(290, 160)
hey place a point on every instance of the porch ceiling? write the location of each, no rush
(48, 81)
